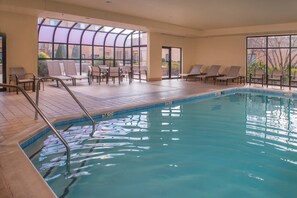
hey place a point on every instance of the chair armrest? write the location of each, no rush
(13, 77)
(30, 74)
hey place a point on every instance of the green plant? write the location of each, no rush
(61, 51)
(42, 66)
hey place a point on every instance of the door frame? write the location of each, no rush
(3, 59)
(169, 62)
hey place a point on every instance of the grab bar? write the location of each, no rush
(71, 94)
(37, 110)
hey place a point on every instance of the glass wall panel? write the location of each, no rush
(143, 38)
(44, 50)
(256, 60)
(109, 63)
(74, 36)
(294, 40)
(88, 37)
(60, 51)
(119, 53)
(98, 62)
(62, 40)
(99, 39)
(175, 62)
(127, 55)
(46, 34)
(98, 52)
(109, 52)
(278, 61)
(128, 41)
(135, 56)
(278, 41)
(120, 40)
(74, 51)
(110, 39)
(294, 66)
(143, 56)
(256, 42)
(86, 52)
(135, 40)
(61, 35)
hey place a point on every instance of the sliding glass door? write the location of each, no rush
(171, 62)
(2, 60)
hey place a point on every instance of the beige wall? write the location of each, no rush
(21, 40)
(155, 43)
(225, 51)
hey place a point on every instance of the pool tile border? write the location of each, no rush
(24, 144)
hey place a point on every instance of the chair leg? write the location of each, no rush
(17, 90)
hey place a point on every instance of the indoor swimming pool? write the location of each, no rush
(239, 144)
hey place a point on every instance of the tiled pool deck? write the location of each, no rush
(17, 177)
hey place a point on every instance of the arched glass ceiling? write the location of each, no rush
(89, 43)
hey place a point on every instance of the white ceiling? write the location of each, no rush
(201, 14)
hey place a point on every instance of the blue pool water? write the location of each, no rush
(239, 145)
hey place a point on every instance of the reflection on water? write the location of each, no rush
(270, 121)
(237, 135)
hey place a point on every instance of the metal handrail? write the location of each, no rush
(38, 110)
(70, 92)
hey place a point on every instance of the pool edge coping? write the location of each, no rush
(170, 101)
(32, 131)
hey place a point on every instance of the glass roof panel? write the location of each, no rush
(74, 36)
(40, 20)
(99, 39)
(88, 37)
(110, 39)
(61, 35)
(120, 40)
(128, 41)
(94, 27)
(127, 32)
(106, 29)
(81, 26)
(46, 33)
(51, 22)
(117, 30)
(66, 24)
(143, 38)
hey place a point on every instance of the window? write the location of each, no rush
(89, 44)
(273, 54)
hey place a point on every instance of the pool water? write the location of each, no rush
(239, 145)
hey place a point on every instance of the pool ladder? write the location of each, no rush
(38, 110)
(71, 94)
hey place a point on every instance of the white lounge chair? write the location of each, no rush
(70, 70)
(195, 71)
(232, 74)
(54, 70)
(212, 72)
